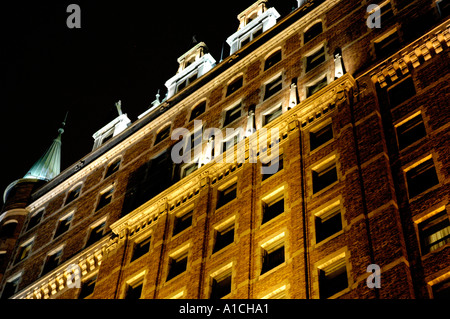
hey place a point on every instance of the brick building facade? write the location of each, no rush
(359, 118)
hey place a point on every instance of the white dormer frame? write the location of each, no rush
(266, 18)
(113, 128)
(199, 64)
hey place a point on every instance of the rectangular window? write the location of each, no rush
(226, 195)
(273, 87)
(235, 85)
(87, 287)
(189, 169)
(232, 114)
(221, 285)
(105, 198)
(410, 131)
(442, 290)
(141, 248)
(272, 115)
(274, 162)
(324, 175)
(434, 232)
(443, 7)
(35, 219)
(312, 89)
(421, 177)
(134, 290)
(273, 207)
(177, 265)
(10, 287)
(96, 233)
(387, 44)
(224, 237)
(319, 136)
(74, 194)
(272, 257)
(24, 250)
(328, 222)
(315, 59)
(52, 261)
(182, 222)
(313, 32)
(401, 92)
(63, 225)
(113, 167)
(332, 278)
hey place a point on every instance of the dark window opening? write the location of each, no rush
(96, 234)
(224, 238)
(177, 266)
(230, 142)
(324, 176)
(87, 288)
(320, 136)
(332, 279)
(227, 195)
(182, 223)
(272, 60)
(401, 92)
(272, 258)
(105, 199)
(328, 224)
(189, 169)
(8, 230)
(273, 209)
(442, 290)
(313, 32)
(134, 291)
(162, 135)
(74, 194)
(112, 168)
(387, 44)
(24, 251)
(434, 232)
(411, 131)
(221, 287)
(63, 225)
(235, 85)
(273, 87)
(443, 7)
(273, 162)
(312, 89)
(52, 262)
(232, 114)
(421, 178)
(141, 248)
(315, 59)
(267, 118)
(198, 110)
(10, 288)
(35, 219)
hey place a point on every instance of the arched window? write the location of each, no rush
(235, 85)
(162, 134)
(8, 229)
(273, 59)
(313, 32)
(198, 110)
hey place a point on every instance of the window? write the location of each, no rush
(105, 198)
(273, 59)
(187, 81)
(442, 290)
(410, 130)
(421, 177)
(73, 194)
(134, 290)
(324, 175)
(272, 115)
(273, 87)
(235, 85)
(24, 250)
(189, 169)
(221, 285)
(109, 135)
(113, 167)
(273, 206)
(232, 114)
(96, 233)
(386, 10)
(226, 195)
(8, 229)
(230, 142)
(182, 222)
(162, 134)
(10, 288)
(87, 287)
(316, 87)
(52, 261)
(313, 32)
(63, 225)
(328, 222)
(315, 59)
(35, 219)
(198, 110)
(224, 236)
(319, 136)
(401, 92)
(272, 256)
(387, 43)
(141, 248)
(434, 232)
(273, 162)
(177, 265)
(251, 37)
(332, 278)
(443, 7)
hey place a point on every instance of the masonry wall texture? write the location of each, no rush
(380, 220)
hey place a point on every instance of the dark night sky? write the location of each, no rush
(124, 51)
